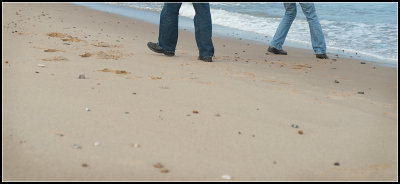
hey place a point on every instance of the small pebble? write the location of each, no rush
(87, 109)
(133, 93)
(126, 112)
(300, 132)
(76, 146)
(239, 133)
(164, 170)
(274, 162)
(97, 144)
(195, 112)
(362, 62)
(85, 165)
(226, 177)
(336, 81)
(337, 164)
(295, 126)
(82, 76)
(361, 92)
(218, 115)
(158, 165)
(36, 72)
(135, 145)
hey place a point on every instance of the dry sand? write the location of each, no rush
(199, 121)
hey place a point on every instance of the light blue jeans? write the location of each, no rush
(168, 30)
(317, 37)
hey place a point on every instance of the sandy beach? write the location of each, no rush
(84, 99)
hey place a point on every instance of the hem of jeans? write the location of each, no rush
(271, 45)
(171, 52)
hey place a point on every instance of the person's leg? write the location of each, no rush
(168, 30)
(203, 29)
(317, 36)
(284, 26)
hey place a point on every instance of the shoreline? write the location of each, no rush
(84, 99)
(186, 23)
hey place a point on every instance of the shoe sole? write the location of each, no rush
(205, 60)
(277, 53)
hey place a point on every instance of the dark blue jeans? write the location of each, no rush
(168, 31)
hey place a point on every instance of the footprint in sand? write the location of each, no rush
(114, 71)
(105, 55)
(64, 37)
(154, 77)
(53, 50)
(103, 44)
(57, 58)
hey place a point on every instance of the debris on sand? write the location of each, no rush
(135, 145)
(77, 146)
(158, 165)
(58, 35)
(86, 54)
(226, 177)
(164, 170)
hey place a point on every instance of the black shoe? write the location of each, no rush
(206, 59)
(276, 51)
(321, 56)
(156, 48)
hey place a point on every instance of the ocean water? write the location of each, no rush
(358, 30)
